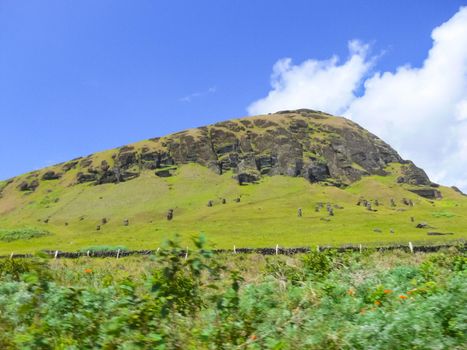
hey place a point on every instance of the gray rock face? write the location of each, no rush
(51, 175)
(28, 186)
(305, 143)
(429, 193)
(413, 175)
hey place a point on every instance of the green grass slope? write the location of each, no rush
(265, 216)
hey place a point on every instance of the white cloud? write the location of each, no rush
(323, 85)
(421, 111)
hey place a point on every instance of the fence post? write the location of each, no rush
(277, 249)
(360, 248)
(317, 248)
(87, 253)
(157, 250)
(11, 255)
(56, 254)
(118, 253)
(411, 247)
(235, 250)
(186, 254)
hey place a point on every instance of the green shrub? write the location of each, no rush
(104, 248)
(8, 235)
(324, 300)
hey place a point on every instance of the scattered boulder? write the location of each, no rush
(210, 203)
(51, 175)
(243, 178)
(28, 186)
(85, 162)
(378, 230)
(164, 172)
(85, 177)
(170, 214)
(70, 165)
(422, 225)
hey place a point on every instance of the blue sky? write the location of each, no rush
(78, 77)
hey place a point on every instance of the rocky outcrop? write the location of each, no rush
(458, 190)
(51, 175)
(429, 193)
(413, 175)
(28, 185)
(306, 143)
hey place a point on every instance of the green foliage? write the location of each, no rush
(8, 235)
(318, 263)
(321, 300)
(177, 285)
(104, 248)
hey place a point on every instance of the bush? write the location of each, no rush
(319, 300)
(8, 235)
(104, 248)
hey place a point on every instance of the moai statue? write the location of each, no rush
(170, 214)
(104, 221)
(317, 208)
(405, 201)
(359, 202)
(393, 204)
(376, 203)
(331, 212)
(209, 203)
(224, 201)
(365, 203)
(98, 227)
(237, 200)
(368, 206)
(299, 212)
(410, 203)
(391, 230)
(412, 219)
(126, 222)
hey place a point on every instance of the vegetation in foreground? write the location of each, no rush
(326, 300)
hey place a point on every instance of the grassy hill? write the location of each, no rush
(78, 214)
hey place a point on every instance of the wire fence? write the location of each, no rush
(409, 247)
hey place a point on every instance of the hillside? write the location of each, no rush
(242, 183)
